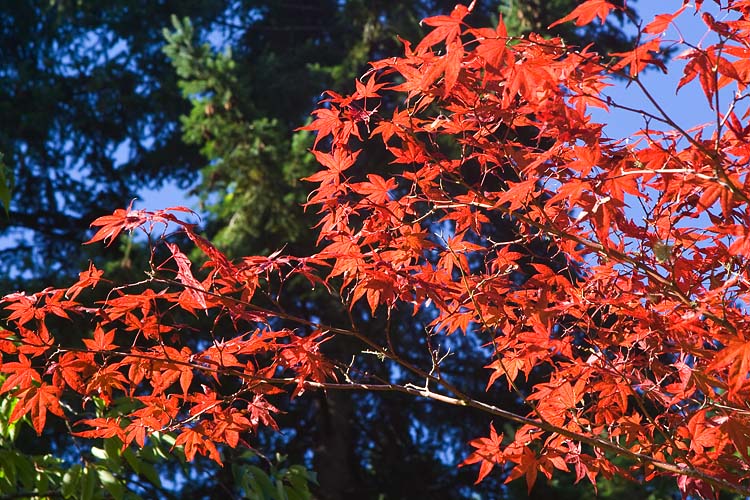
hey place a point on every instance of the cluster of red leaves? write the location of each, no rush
(640, 321)
(138, 352)
(643, 330)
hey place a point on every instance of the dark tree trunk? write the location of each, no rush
(335, 461)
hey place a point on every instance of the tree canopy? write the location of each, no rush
(92, 108)
(473, 219)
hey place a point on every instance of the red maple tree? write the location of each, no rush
(642, 333)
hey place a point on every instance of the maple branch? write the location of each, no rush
(721, 174)
(610, 253)
(323, 327)
(685, 171)
(470, 291)
(459, 398)
(661, 387)
(665, 118)
(466, 401)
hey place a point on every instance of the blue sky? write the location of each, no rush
(688, 108)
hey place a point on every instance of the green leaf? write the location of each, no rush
(133, 460)
(292, 494)
(280, 491)
(261, 482)
(112, 485)
(42, 481)
(149, 472)
(299, 478)
(8, 470)
(6, 486)
(163, 437)
(112, 447)
(70, 481)
(242, 479)
(88, 484)
(99, 453)
(8, 430)
(24, 470)
(155, 452)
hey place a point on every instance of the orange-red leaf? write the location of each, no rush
(36, 401)
(586, 12)
(194, 288)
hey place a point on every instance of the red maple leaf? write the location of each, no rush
(586, 12)
(488, 453)
(194, 288)
(36, 401)
(102, 341)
